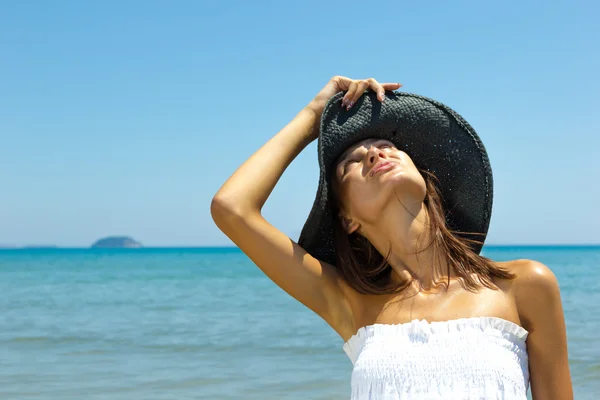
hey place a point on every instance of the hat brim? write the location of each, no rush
(436, 138)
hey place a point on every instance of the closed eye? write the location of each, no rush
(385, 145)
(346, 165)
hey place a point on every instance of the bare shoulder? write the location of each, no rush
(531, 275)
(535, 287)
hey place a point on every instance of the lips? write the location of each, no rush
(381, 166)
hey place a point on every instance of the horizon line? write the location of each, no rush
(48, 247)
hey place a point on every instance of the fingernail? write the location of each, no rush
(382, 95)
(343, 102)
(350, 105)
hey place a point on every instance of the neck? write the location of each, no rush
(404, 235)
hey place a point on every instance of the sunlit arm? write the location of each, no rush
(540, 308)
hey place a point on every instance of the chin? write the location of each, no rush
(399, 178)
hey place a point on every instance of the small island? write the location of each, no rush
(116, 242)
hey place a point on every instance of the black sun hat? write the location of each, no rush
(436, 138)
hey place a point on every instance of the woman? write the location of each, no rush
(389, 256)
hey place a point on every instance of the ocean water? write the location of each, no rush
(206, 324)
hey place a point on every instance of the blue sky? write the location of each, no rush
(125, 117)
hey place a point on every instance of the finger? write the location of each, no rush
(362, 86)
(381, 88)
(391, 86)
(342, 82)
(347, 99)
(357, 88)
(377, 88)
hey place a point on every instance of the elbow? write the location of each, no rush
(226, 212)
(220, 209)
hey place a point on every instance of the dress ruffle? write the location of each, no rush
(468, 358)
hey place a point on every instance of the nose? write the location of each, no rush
(373, 155)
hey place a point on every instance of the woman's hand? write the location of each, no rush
(354, 87)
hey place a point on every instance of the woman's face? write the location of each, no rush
(372, 173)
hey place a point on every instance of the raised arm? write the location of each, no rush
(236, 209)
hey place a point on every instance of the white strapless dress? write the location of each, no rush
(469, 358)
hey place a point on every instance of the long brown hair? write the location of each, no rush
(368, 271)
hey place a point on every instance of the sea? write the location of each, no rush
(205, 323)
